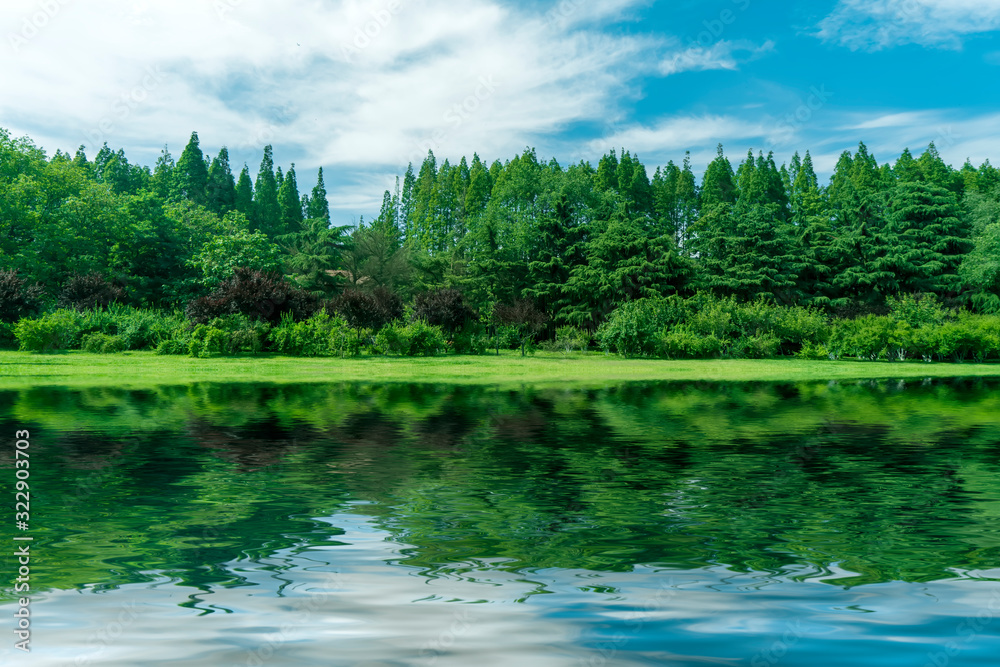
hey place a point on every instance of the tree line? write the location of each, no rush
(573, 243)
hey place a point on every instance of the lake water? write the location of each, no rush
(648, 524)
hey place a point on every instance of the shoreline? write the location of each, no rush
(20, 370)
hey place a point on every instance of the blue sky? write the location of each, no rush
(361, 87)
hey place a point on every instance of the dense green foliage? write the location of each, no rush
(506, 253)
(707, 327)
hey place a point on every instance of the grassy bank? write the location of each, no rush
(138, 369)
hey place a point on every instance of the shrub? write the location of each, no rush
(634, 328)
(208, 341)
(99, 343)
(445, 308)
(471, 339)
(974, 337)
(259, 295)
(90, 291)
(572, 338)
(525, 317)
(319, 335)
(414, 339)
(866, 337)
(172, 346)
(142, 329)
(139, 329)
(17, 298)
(813, 352)
(54, 331)
(684, 343)
(715, 317)
(761, 346)
(917, 310)
(368, 310)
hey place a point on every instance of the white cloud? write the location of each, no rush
(351, 85)
(669, 138)
(721, 55)
(956, 135)
(876, 24)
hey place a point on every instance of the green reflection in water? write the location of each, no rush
(888, 480)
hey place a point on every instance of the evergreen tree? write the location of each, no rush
(81, 162)
(244, 194)
(313, 254)
(607, 172)
(191, 174)
(266, 211)
(810, 220)
(220, 192)
(935, 171)
(623, 263)
(290, 203)
(718, 186)
(929, 238)
(319, 207)
(163, 175)
(746, 251)
(557, 250)
(406, 203)
(989, 179)
(686, 204)
(664, 187)
(478, 194)
(906, 168)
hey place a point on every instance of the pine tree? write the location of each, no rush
(556, 252)
(810, 219)
(423, 192)
(906, 169)
(191, 174)
(163, 175)
(81, 162)
(664, 187)
(244, 194)
(622, 263)
(478, 194)
(607, 172)
(686, 203)
(290, 203)
(406, 203)
(266, 211)
(746, 251)
(319, 207)
(221, 189)
(930, 237)
(935, 171)
(718, 186)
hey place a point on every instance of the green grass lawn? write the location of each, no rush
(144, 369)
